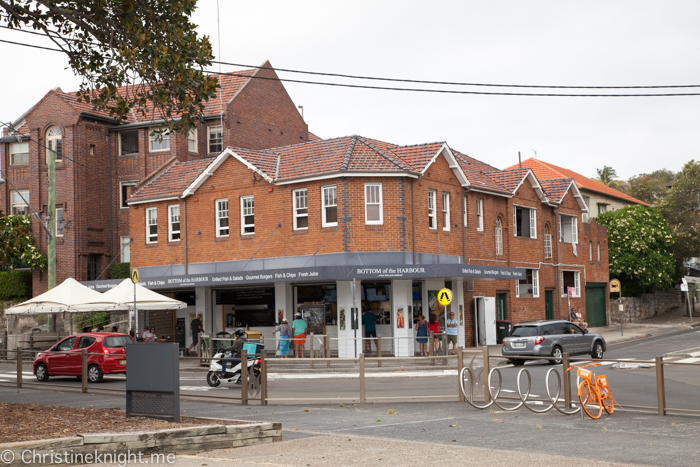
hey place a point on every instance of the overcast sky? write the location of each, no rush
(595, 43)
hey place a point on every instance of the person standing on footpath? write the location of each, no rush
(422, 335)
(369, 321)
(299, 327)
(285, 333)
(452, 331)
(196, 328)
(434, 326)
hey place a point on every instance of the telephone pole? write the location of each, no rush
(51, 247)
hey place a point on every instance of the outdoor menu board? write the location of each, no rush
(315, 316)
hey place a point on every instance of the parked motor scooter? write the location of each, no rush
(233, 374)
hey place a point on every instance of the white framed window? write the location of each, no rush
(222, 218)
(215, 138)
(329, 208)
(530, 286)
(499, 237)
(547, 243)
(586, 215)
(19, 153)
(602, 208)
(59, 222)
(128, 143)
(432, 221)
(192, 140)
(159, 140)
(479, 214)
(524, 222)
(445, 211)
(598, 252)
(571, 279)
(568, 228)
(125, 249)
(152, 225)
(301, 209)
(20, 203)
(124, 193)
(464, 210)
(373, 204)
(247, 215)
(174, 223)
(54, 142)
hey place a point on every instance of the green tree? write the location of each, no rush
(17, 249)
(149, 48)
(653, 187)
(681, 207)
(640, 248)
(606, 176)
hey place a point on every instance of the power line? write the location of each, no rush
(446, 91)
(399, 80)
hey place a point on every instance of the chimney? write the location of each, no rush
(520, 162)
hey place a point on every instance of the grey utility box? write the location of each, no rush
(153, 381)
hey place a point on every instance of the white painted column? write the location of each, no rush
(457, 302)
(346, 346)
(203, 304)
(401, 299)
(284, 298)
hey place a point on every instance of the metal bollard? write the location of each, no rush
(379, 350)
(311, 350)
(431, 344)
(244, 377)
(84, 358)
(263, 378)
(444, 346)
(660, 385)
(19, 367)
(362, 378)
(567, 380)
(460, 366)
(487, 370)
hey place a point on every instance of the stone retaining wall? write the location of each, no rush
(117, 447)
(646, 306)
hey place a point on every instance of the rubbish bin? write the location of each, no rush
(502, 330)
(254, 336)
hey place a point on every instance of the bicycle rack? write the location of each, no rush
(469, 384)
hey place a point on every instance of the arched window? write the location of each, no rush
(547, 243)
(499, 237)
(54, 142)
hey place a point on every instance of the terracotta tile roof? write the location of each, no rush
(547, 171)
(313, 137)
(556, 188)
(170, 181)
(477, 173)
(418, 155)
(510, 179)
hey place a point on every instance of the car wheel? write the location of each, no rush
(517, 362)
(41, 372)
(94, 374)
(597, 351)
(212, 379)
(556, 353)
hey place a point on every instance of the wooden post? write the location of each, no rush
(84, 368)
(31, 341)
(379, 350)
(487, 370)
(311, 350)
(567, 380)
(660, 386)
(4, 343)
(19, 367)
(431, 344)
(263, 378)
(244, 377)
(362, 378)
(460, 365)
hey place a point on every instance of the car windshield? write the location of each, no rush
(524, 331)
(117, 341)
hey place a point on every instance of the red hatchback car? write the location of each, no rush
(64, 358)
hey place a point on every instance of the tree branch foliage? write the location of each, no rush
(651, 188)
(148, 48)
(17, 249)
(640, 248)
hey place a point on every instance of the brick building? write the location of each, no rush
(99, 160)
(325, 226)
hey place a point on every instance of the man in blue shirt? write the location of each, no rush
(369, 322)
(452, 331)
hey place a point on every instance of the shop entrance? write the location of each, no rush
(485, 319)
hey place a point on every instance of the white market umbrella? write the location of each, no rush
(121, 297)
(61, 298)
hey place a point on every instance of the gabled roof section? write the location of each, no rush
(477, 175)
(546, 171)
(169, 181)
(557, 188)
(512, 180)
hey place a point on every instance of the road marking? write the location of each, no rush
(688, 360)
(398, 374)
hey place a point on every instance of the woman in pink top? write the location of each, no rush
(434, 326)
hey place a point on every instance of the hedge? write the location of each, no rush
(15, 284)
(119, 271)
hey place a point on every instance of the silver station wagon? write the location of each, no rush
(550, 339)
